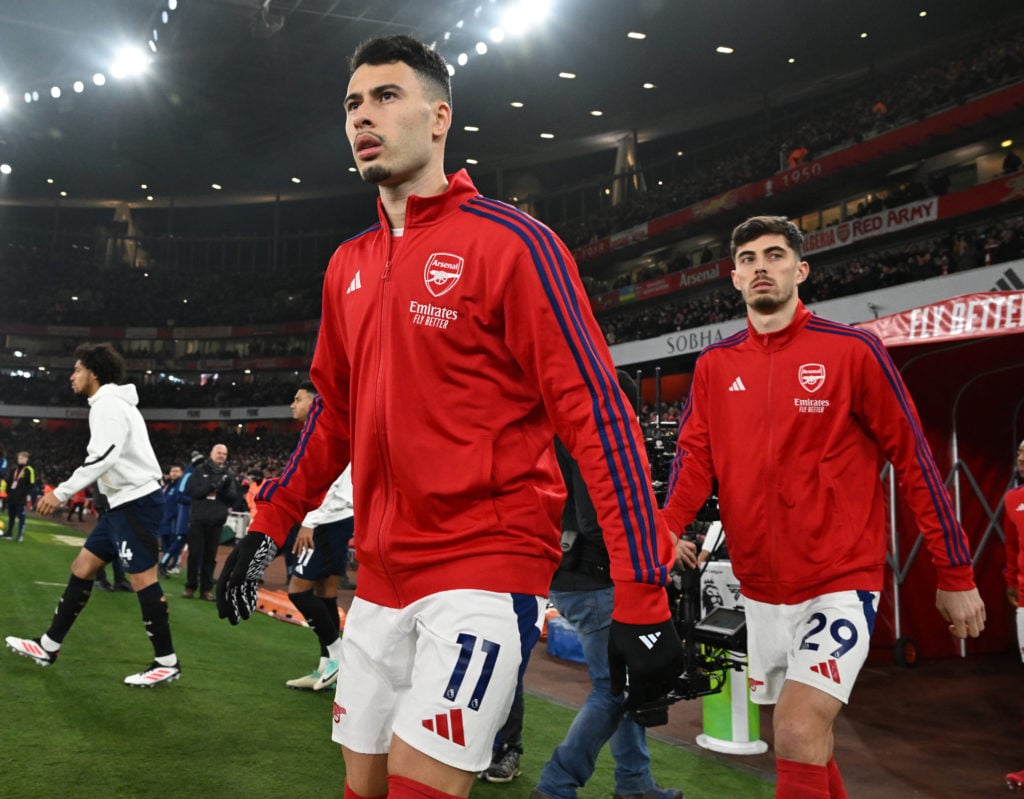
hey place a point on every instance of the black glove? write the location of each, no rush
(645, 659)
(241, 576)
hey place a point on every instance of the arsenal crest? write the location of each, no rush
(811, 376)
(442, 272)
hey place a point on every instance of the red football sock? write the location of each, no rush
(350, 794)
(836, 788)
(801, 780)
(405, 788)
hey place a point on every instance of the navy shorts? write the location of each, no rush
(330, 551)
(129, 532)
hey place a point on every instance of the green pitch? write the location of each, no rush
(228, 727)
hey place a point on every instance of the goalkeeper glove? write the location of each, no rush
(644, 660)
(241, 576)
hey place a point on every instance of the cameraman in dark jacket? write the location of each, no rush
(582, 591)
(213, 488)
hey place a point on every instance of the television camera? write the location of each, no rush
(710, 642)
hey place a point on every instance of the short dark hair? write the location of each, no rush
(103, 361)
(307, 385)
(758, 226)
(426, 62)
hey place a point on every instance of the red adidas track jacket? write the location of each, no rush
(447, 360)
(796, 425)
(1013, 529)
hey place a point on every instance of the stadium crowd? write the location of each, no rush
(165, 296)
(878, 104)
(952, 251)
(160, 296)
(51, 389)
(57, 453)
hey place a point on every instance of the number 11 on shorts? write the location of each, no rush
(467, 648)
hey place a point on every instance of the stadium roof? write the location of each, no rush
(247, 93)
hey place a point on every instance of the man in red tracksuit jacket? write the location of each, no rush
(1013, 529)
(456, 340)
(794, 417)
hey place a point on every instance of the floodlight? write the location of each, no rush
(525, 13)
(514, 21)
(130, 62)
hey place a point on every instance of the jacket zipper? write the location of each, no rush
(772, 494)
(380, 419)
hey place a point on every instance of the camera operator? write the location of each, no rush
(582, 591)
(213, 488)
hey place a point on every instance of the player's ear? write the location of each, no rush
(442, 119)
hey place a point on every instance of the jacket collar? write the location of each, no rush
(421, 211)
(781, 338)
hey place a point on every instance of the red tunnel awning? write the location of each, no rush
(969, 316)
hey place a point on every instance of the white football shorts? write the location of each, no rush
(822, 642)
(1020, 631)
(440, 674)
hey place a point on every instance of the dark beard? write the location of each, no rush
(764, 304)
(375, 174)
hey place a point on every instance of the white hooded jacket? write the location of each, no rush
(337, 504)
(120, 456)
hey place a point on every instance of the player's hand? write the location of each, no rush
(47, 504)
(1012, 596)
(686, 554)
(964, 610)
(303, 540)
(644, 660)
(241, 576)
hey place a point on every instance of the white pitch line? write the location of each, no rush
(70, 540)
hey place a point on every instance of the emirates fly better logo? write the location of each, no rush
(442, 272)
(811, 376)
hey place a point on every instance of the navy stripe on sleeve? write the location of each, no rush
(955, 543)
(270, 486)
(627, 474)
